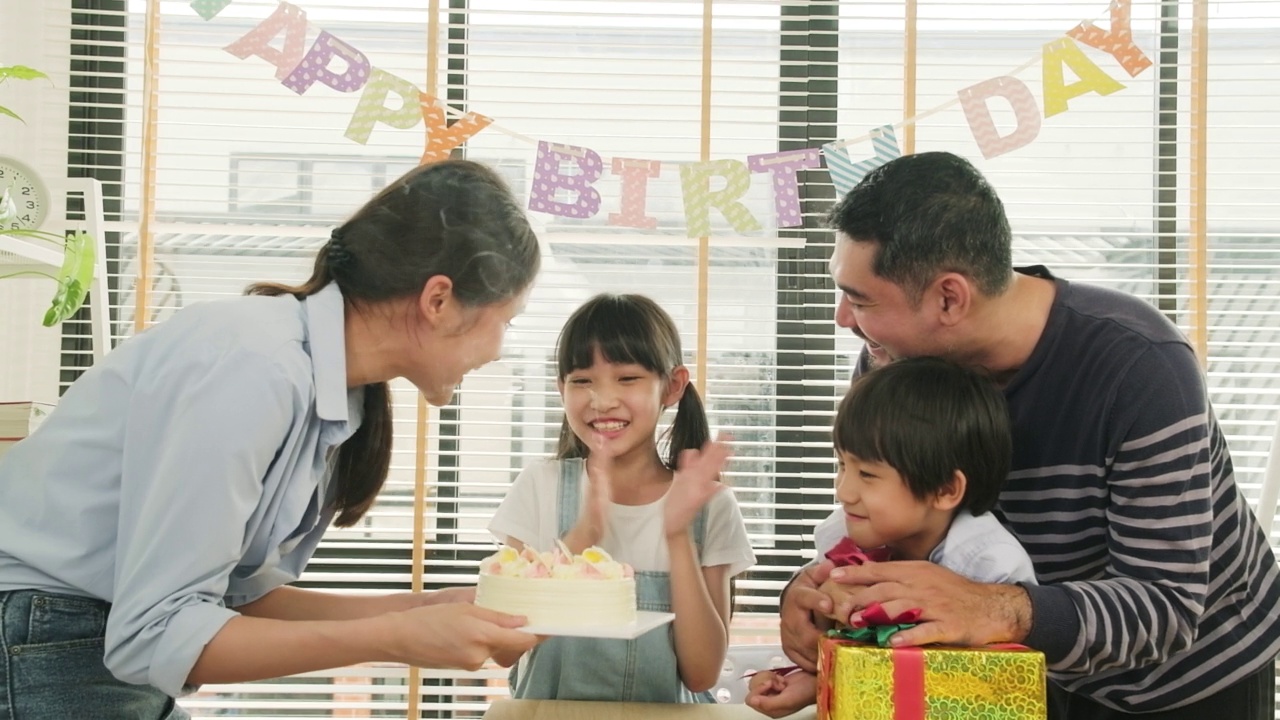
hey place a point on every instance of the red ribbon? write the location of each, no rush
(908, 684)
(875, 614)
(846, 552)
(908, 681)
(827, 666)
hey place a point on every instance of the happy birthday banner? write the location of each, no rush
(299, 68)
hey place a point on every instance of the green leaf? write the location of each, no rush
(66, 301)
(55, 314)
(86, 255)
(20, 72)
(74, 278)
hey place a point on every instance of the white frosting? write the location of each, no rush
(555, 588)
(560, 602)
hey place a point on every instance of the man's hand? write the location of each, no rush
(781, 695)
(800, 601)
(841, 597)
(956, 611)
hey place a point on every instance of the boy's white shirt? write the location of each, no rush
(979, 548)
(634, 534)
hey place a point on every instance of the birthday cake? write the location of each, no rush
(558, 589)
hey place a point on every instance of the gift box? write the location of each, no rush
(862, 681)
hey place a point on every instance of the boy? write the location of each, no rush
(923, 447)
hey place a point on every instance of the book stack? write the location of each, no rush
(18, 420)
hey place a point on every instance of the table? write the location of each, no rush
(575, 710)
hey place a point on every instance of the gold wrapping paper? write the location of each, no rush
(861, 682)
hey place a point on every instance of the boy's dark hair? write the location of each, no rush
(629, 329)
(454, 218)
(926, 418)
(929, 213)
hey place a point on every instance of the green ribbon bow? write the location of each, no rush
(877, 635)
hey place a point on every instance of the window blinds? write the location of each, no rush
(223, 170)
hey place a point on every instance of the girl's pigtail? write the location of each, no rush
(690, 429)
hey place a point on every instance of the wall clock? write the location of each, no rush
(29, 194)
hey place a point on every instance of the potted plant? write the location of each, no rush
(78, 248)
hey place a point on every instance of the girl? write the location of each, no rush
(150, 526)
(619, 366)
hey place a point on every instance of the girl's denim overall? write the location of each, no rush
(577, 668)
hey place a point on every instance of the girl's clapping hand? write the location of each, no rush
(595, 514)
(696, 481)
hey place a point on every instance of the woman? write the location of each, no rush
(149, 528)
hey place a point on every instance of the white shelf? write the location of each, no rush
(18, 254)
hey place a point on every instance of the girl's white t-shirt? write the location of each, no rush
(635, 532)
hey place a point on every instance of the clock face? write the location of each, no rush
(28, 193)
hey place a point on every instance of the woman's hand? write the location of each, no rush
(411, 600)
(453, 635)
(696, 481)
(448, 635)
(464, 594)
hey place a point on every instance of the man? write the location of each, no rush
(1158, 589)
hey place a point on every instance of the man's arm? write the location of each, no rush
(955, 610)
(798, 605)
(1145, 604)
(1159, 523)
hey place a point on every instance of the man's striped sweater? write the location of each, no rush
(1157, 585)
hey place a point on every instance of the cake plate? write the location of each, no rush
(645, 621)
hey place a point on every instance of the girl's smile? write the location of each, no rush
(609, 428)
(615, 407)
